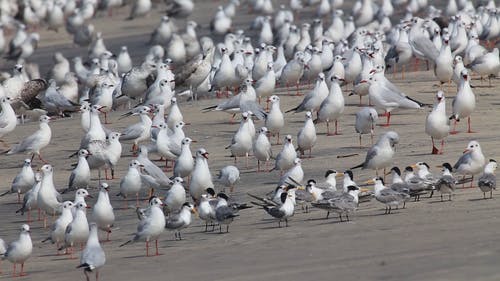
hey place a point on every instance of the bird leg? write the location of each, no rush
(96, 275)
(340, 217)
(258, 166)
(403, 72)
(106, 118)
(347, 216)
(360, 145)
(454, 131)
(387, 123)
(491, 194)
(147, 248)
(434, 148)
(297, 87)
(14, 271)
(227, 228)
(45, 162)
(469, 131)
(471, 182)
(156, 243)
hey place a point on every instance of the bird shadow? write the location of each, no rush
(479, 199)
(438, 201)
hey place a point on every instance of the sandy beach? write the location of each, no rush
(429, 240)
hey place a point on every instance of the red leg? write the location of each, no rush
(442, 147)
(388, 122)
(22, 270)
(454, 131)
(434, 148)
(258, 166)
(41, 159)
(156, 243)
(468, 126)
(14, 271)
(147, 248)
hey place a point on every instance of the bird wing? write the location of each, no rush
(132, 132)
(487, 180)
(93, 256)
(255, 108)
(426, 47)
(275, 212)
(465, 159)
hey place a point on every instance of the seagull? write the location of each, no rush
(184, 164)
(446, 183)
(471, 162)
(285, 158)
(206, 207)
(243, 102)
(241, 143)
(275, 120)
(312, 101)
(486, 65)
(464, 102)
(140, 131)
(20, 250)
(23, 181)
(293, 71)
(80, 176)
(102, 212)
(48, 198)
(77, 231)
(437, 124)
(265, 86)
(387, 98)
(58, 229)
(180, 219)
(380, 155)
(387, 196)
(93, 256)
(366, 119)
(124, 61)
(176, 196)
(140, 8)
(201, 179)
(306, 137)
(152, 175)
(332, 107)
(262, 148)
(228, 177)
(151, 226)
(131, 183)
(487, 181)
(8, 118)
(294, 174)
(35, 142)
(174, 115)
(30, 198)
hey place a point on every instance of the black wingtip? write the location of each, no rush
(358, 166)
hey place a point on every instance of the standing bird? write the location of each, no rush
(282, 211)
(332, 107)
(471, 162)
(437, 125)
(201, 179)
(58, 229)
(176, 196)
(184, 164)
(366, 119)
(140, 131)
(150, 226)
(20, 250)
(80, 176)
(275, 120)
(8, 118)
(228, 177)
(380, 155)
(262, 148)
(93, 256)
(225, 212)
(131, 183)
(77, 231)
(487, 181)
(140, 8)
(37, 141)
(306, 137)
(285, 158)
(446, 183)
(23, 181)
(464, 102)
(387, 196)
(180, 219)
(102, 212)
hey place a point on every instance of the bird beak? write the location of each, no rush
(194, 211)
(413, 166)
(142, 166)
(89, 196)
(388, 173)
(205, 155)
(154, 126)
(369, 182)
(195, 141)
(101, 108)
(301, 188)
(363, 81)
(372, 71)
(339, 175)
(364, 190)
(466, 151)
(439, 166)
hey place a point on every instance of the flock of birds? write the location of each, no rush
(246, 66)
